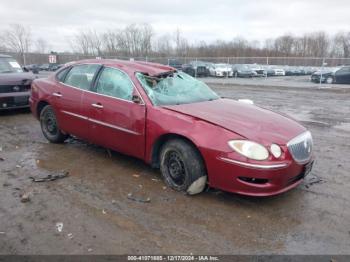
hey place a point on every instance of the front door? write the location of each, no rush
(115, 120)
(343, 75)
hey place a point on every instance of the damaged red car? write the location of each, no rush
(176, 123)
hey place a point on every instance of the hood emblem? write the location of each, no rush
(16, 88)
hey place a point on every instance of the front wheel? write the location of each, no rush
(329, 80)
(182, 167)
(49, 126)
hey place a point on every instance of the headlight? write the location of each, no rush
(249, 149)
(275, 150)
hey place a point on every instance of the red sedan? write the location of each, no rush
(176, 123)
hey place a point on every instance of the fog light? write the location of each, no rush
(275, 150)
(252, 180)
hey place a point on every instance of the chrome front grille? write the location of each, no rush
(300, 147)
(14, 88)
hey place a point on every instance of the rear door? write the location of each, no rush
(115, 120)
(72, 118)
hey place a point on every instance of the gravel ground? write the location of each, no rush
(89, 212)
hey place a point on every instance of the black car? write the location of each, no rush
(55, 67)
(241, 70)
(293, 71)
(341, 76)
(34, 68)
(175, 63)
(196, 69)
(14, 84)
(44, 67)
(330, 76)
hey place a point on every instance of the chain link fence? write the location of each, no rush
(35, 58)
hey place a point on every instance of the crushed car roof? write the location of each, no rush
(131, 67)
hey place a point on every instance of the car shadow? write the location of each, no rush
(10, 112)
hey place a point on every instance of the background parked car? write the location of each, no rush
(240, 70)
(258, 69)
(269, 71)
(14, 84)
(44, 67)
(279, 71)
(196, 68)
(293, 71)
(342, 76)
(332, 75)
(34, 68)
(221, 70)
(324, 75)
(175, 63)
(55, 67)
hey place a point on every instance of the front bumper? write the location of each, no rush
(254, 179)
(245, 74)
(317, 79)
(224, 73)
(14, 100)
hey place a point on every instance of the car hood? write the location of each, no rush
(223, 69)
(16, 78)
(318, 73)
(245, 71)
(249, 121)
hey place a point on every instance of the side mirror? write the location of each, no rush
(136, 99)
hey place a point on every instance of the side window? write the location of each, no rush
(344, 70)
(115, 83)
(81, 76)
(60, 76)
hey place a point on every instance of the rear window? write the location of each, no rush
(81, 76)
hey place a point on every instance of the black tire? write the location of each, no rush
(180, 164)
(49, 126)
(330, 80)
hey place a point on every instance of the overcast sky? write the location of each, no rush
(58, 21)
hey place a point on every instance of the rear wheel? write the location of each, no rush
(182, 167)
(49, 126)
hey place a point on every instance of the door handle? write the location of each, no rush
(98, 105)
(58, 94)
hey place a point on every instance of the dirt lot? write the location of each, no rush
(97, 217)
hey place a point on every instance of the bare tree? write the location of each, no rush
(110, 42)
(82, 42)
(3, 48)
(181, 44)
(41, 46)
(95, 40)
(163, 45)
(18, 39)
(341, 45)
(137, 40)
(284, 45)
